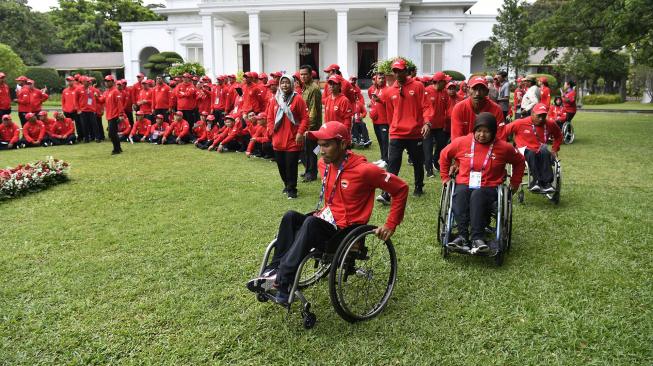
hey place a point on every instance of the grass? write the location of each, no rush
(620, 106)
(142, 259)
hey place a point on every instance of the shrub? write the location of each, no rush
(457, 76)
(46, 77)
(193, 68)
(596, 99)
(11, 64)
(158, 63)
(385, 66)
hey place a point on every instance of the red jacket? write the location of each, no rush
(463, 116)
(284, 133)
(62, 128)
(141, 127)
(69, 100)
(135, 90)
(228, 134)
(459, 150)
(5, 97)
(569, 101)
(158, 130)
(199, 128)
(253, 98)
(114, 103)
(37, 99)
(524, 137)
(185, 93)
(24, 99)
(557, 113)
(127, 99)
(346, 89)
(87, 99)
(516, 99)
(204, 100)
(178, 129)
(145, 97)
(34, 131)
(377, 110)
(260, 133)
(439, 100)
(407, 111)
(49, 125)
(353, 199)
(9, 133)
(209, 134)
(161, 96)
(545, 95)
(338, 109)
(124, 128)
(452, 103)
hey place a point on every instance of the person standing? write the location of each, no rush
(504, 93)
(569, 99)
(5, 97)
(379, 117)
(87, 100)
(69, 104)
(545, 91)
(186, 96)
(161, 98)
(530, 98)
(24, 100)
(438, 138)
(313, 98)
(114, 104)
(464, 113)
(287, 122)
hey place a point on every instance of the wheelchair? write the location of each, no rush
(568, 135)
(361, 271)
(556, 184)
(499, 232)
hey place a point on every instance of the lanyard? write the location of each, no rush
(487, 157)
(535, 133)
(335, 183)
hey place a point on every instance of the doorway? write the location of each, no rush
(368, 55)
(313, 58)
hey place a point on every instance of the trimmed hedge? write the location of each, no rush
(596, 99)
(457, 76)
(385, 66)
(44, 76)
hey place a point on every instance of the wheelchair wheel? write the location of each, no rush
(313, 269)
(442, 214)
(363, 275)
(557, 183)
(568, 133)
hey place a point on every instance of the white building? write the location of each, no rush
(265, 35)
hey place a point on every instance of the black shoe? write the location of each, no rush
(429, 174)
(98, 140)
(546, 188)
(282, 297)
(284, 191)
(115, 152)
(479, 246)
(308, 178)
(384, 198)
(264, 282)
(418, 192)
(460, 243)
(292, 194)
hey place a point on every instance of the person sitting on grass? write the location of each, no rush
(157, 130)
(178, 131)
(33, 132)
(141, 129)
(9, 133)
(63, 130)
(480, 159)
(349, 182)
(531, 138)
(260, 144)
(48, 123)
(124, 128)
(227, 139)
(210, 132)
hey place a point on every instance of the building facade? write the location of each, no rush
(266, 35)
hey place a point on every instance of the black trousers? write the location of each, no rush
(113, 134)
(473, 206)
(138, 138)
(381, 132)
(89, 126)
(359, 132)
(100, 128)
(5, 111)
(415, 153)
(570, 116)
(21, 117)
(219, 117)
(65, 141)
(298, 234)
(189, 116)
(172, 139)
(6, 146)
(433, 145)
(204, 144)
(130, 116)
(539, 165)
(24, 141)
(310, 162)
(287, 163)
(78, 123)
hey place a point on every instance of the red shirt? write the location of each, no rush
(69, 100)
(141, 127)
(185, 93)
(37, 99)
(439, 100)
(407, 110)
(124, 128)
(253, 98)
(545, 95)
(127, 99)
(199, 128)
(24, 99)
(338, 109)
(284, 133)
(34, 131)
(87, 99)
(5, 97)
(178, 129)
(569, 101)
(157, 130)
(209, 133)
(145, 97)
(557, 113)
(463, 116)
(113, 99)
(161, 95)
(9, 133)
(377, 110)
(62, 128)
(49, 125)
(204, 100)
(524, 136)
(459, 150)
(353, 199)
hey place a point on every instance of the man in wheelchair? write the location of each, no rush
(349, 182)
(531, 136)
(479, 164)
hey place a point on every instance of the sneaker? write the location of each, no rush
(418, 192)
(282, 297)
(460, 243)
(535, 188)
(547, 188)
(284, 191)
(263, 283)
(367, 143)
(70, 142)
(384, 198)
(292, 194)
(429, 174)
(479, 246)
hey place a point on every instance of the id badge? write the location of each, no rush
(474, 180)
(326, 215)
(89, 101)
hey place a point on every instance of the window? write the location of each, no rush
(195, 54)
(431, 57)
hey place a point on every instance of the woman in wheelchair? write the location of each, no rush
(480, 160)
(348, 186)
(531, 136)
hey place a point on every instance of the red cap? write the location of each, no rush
(399, 64)
(6, 116)
(195, 78)
(263, 76)
(450, 84)
(70, 78)
(276, 74)
(187, 75)
(335, 79)
(262, 115)
(122, 81)
(314, 74)
(179, 113)
(540, 108)
(251, 74)
(173, 83)
(330, 130)
(352, 78)
(230, 116)
(231, 76)
(205, 77)
(43, 113)
(332, 67)
(205, 113)
(519, 80)
(149, 82)
(159, 116)
(296, 75)
(29, 115)
(109, 78)
(427, 79)
(29, 81)
(21, 78)
(272, 82)
(544, 79)
(476, 80)
(439, 76)
(141, 113)
(210, 117)
(140, 75)
(2, 75)
(58, 115)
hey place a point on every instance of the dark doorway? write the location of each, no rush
(368, 53)
(313, 58)
(245, 53)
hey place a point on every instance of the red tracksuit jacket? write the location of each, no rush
(124, 128)
(145, 96)
(34, 131)
(253, 98)
(114, 103)
(127, 100)
(524, 137)
(9, 133)
(463, 116)
(545, 95)
(158, 129)
(503, 153)
(161, 95)
(407, 109)
(178, 129)
(283, 135)
(141, 127)
(49, 125)
(569, 101)
(5, 97)
(185, 93)
(204, 101)
(439, 100)
(62, 128)
(37, 99)
(209, 133)
(199, 128)
(69, 99)
(557, 113)
(24, 99)
(353, 199)
(377, 110)
(87, 99)
(338, 109)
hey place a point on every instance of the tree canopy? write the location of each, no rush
(507, 44)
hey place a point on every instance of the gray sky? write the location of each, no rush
(44, 5)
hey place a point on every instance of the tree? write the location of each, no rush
(11, 64)
(159, 63)
(508, 48)
(44, 76)
(93, 25)
(193, 68)
(30, 34)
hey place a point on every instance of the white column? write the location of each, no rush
(219, 47)
(127, 55)
(393, 33)
(254, 41)
(342, 40)
(208, 42)
(404, 34)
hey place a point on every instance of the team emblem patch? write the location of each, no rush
(335, 108)
(344, 183)
(412, 92)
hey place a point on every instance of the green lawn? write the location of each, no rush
(142, 258)
(620, 106)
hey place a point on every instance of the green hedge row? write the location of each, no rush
(602, 99)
